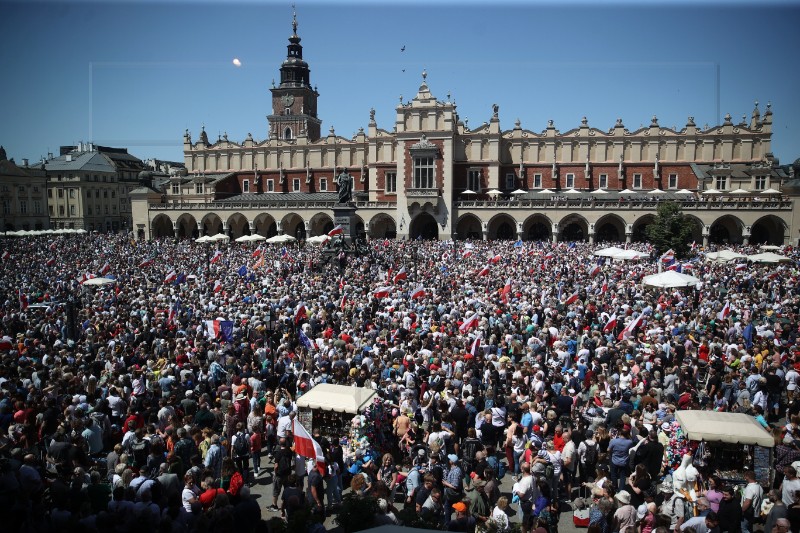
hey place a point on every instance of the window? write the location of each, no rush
(37, 207)
(391, 182)
(602, 181)
(287, 134)
(49, 193)
(296, 184)
(570, 181)
(270, 185)
(50, 209)
(637, 181)
(474, 180)
(88, 193)
(113, 194)
(23, 207)
(72, 193)
(176, 188)
(511, 180)
(672, 182)
(61, 210)
(97, 193)
(537, 181)
(105, 193)
(760, 183)
(61, 193)
(114, 209)
(106, 209)
(323, 184)
(721, 183)
(89, 210)
(245, 185)
(72, 210)
(423, 172)
(35, 188)
(198, 188)
(6, 207)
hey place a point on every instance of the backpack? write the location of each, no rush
(591, 453)
(241, 447)
(284, 463)
(140, 450)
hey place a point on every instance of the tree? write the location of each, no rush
(671, 229)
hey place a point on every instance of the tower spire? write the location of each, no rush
(294, 20)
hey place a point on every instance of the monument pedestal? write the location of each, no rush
(344, 215)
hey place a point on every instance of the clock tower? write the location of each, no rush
(294, 101)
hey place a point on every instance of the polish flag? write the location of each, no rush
(382, 292)
(172, 276)
(484, 271)
(495, 259)
(217, 286)
(611, 324)
(85, 277)
(741, 266)
(145, 263)
(674, 267)
(476, 344)
(6, 255)
(419, 292)
(344, 302)
(466, 254)
(53, 246)
(471, 322)
(668, 256)
(726, 311)
(604, 288)
(306, 446)
(572, 299)
(341, 283)
(257, 252)
(549, 255)
(401, 274)
(300, 314)
(506, 291)
(594, 271)
(216, 257)
(628, 330)
(51, 261)
(105, 269)
(389, 274)
(338, 230)
(23, 300)
(687, 266)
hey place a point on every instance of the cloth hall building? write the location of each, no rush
(429, 175)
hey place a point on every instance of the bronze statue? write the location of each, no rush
(344, 183)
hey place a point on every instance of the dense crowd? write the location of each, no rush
(161, 399)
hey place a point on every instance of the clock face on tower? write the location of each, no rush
(287, 100)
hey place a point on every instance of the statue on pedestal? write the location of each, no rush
(344, 186)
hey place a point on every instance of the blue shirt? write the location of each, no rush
(618, 448)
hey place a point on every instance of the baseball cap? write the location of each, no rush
(461, 507)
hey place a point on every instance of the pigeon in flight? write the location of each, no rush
(403, 49)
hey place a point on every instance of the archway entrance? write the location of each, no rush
(162, 227)
(725, 230)
(767, 230)
(424, 226)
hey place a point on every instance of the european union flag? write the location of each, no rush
(226, 330)
(242, 270)
(518, 244)
(180, 279)
(305, 340)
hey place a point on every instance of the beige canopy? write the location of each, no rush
(337, 398)
(734, 428)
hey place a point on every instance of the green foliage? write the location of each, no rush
(357, 513)
(670, 229)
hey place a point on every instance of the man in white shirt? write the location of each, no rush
(792, 379)
(752, 497)
(285, 425)
(790, 484)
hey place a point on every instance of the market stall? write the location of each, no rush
(331, 408)
(731, 444)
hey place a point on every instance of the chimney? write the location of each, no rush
(24, 162)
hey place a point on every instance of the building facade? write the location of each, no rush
(88, 187)
(22, 197)
(430, 175)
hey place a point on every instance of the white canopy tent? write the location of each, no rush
(318, 239)
(608, 252)
(733, 428)
(768, 257)
(220, 237)
(723, 256)
(99, 281)
(339, 398)
(629, 255)
(770, 247)
(670, 279)
(281, 239)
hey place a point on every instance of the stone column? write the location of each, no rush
(628, 233)
(252, 225)
(706, 230)
(200, 228)
(746, 235)
(555, 233)
(591, 233)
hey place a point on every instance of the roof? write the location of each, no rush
(733, 428)
(339, 398)
(285, 197)
(9, 168)
(85, 161)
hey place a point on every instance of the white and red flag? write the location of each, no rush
(476, 345)
(471, 322)
(611, 324)
(105, 269)
(382, 292)
(217, 286)
(628, 330)
(484, 271)
(216, 257)
(595, 270)
(419, 292)
(725, 312)
(572, 298)
(506, 291)
(306, 446)
(338, 230)
(401, 275)
(172, 276)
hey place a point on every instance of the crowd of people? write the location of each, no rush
(166, 398)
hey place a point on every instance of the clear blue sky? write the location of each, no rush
(136, 74)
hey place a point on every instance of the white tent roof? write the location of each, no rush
(608, 252)
(337, 398)
(723, 256)
(279, 239)
(770, 247)
(669, 279)
(713, 426)
(768, 257)
(625, 255)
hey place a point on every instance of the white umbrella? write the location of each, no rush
(768, 257)
(627, 191)
(711, 191)
(608, 252)
(468, 191)
(655, 191)
(770, 247)
(204, 238)
(739, 191)
(684, 191)
(494, 192)
(280, 239)
(81, 231)
(571, 191)
(99, 281)
(220, 237)
(243, 238)
(319, 239)
(599, 191)
(669, 279)
(518, 192)
(544, 191)
(770, 191)
(723, 256)
(257, 237)
(629, 255)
